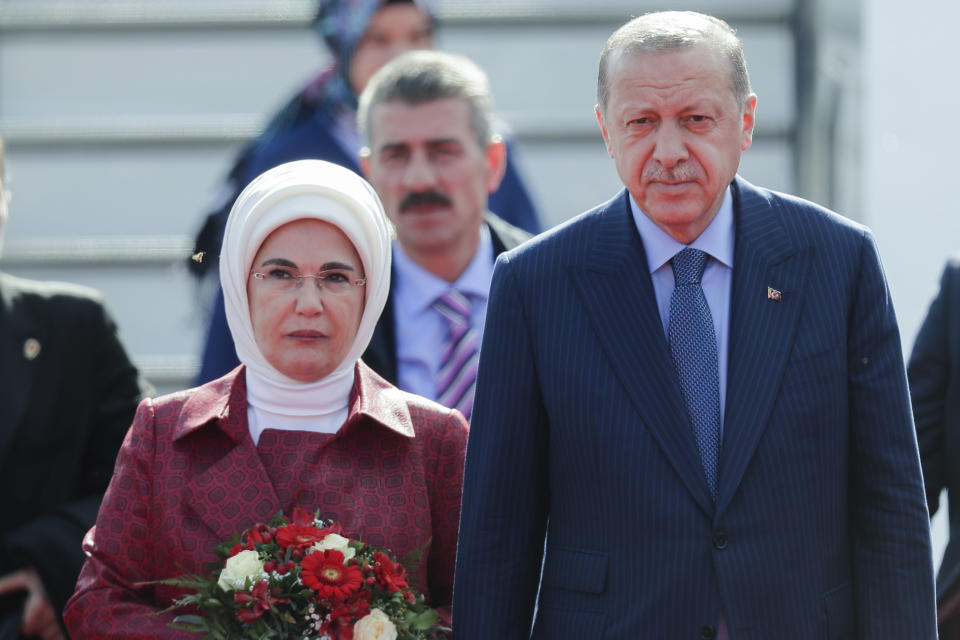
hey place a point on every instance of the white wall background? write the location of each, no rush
(910, 169)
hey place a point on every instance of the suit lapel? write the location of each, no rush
(18, 360)
(762, 329)
(617, 293)
(238, 477)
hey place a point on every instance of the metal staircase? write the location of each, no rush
(120, 118)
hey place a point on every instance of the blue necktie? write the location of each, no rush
(693, 345)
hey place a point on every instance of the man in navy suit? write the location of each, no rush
(692, 417)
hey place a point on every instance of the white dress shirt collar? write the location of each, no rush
(717, 239)
(417, 288)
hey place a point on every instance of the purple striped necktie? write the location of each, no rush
(457, 375)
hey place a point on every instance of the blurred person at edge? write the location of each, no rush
(433, 157)
(934, 374)
(303, 422)
(68, 395)
(320, 122)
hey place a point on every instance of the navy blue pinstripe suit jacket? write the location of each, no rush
(579, 443)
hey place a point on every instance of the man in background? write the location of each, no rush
(433, 157)
(68, 395)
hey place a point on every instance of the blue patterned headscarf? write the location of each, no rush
(341, 24)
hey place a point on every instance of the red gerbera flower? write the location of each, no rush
(392, 575)
(302, 517)
(299, 536)
(325, 573)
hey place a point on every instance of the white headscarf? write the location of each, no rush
(316, 190)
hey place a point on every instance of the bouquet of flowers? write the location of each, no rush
(303, 579)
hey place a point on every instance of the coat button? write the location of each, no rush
(720, 540)
(707, 632)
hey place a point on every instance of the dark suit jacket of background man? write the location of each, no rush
(934, 373)
(381, 355)
(64, 410)
(580, 433)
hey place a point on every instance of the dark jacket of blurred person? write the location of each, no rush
(934, 372)
(319, 122)
(68, 395)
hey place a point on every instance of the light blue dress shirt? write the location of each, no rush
(421, 330)
(717, 240)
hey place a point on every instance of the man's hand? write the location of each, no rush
(39, 617)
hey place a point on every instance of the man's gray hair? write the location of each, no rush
(418, 77)
(665, 30)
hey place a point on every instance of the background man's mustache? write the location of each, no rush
(422, 198)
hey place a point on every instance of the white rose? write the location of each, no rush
(244, 565)
(374, 626)
(337, 543)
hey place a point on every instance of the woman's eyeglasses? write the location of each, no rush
(334, 281)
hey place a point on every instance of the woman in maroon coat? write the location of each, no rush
(303, 422)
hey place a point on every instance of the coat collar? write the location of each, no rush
(215, 402)
(376, 399)
(218, 401)
(237, 476)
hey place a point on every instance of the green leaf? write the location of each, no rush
(424, 621)
(413, 559)
(193, 623)
(188, 627)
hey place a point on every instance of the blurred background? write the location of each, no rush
(121, 117)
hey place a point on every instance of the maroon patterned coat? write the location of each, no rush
(189, 476)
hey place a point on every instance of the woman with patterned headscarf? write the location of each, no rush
(320, 122)
(302, 424)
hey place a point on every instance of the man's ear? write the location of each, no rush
(749, 118)
(496, 162)
(364, 158)
(603, 128)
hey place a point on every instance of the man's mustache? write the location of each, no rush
(424, 198)
(680, 173)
